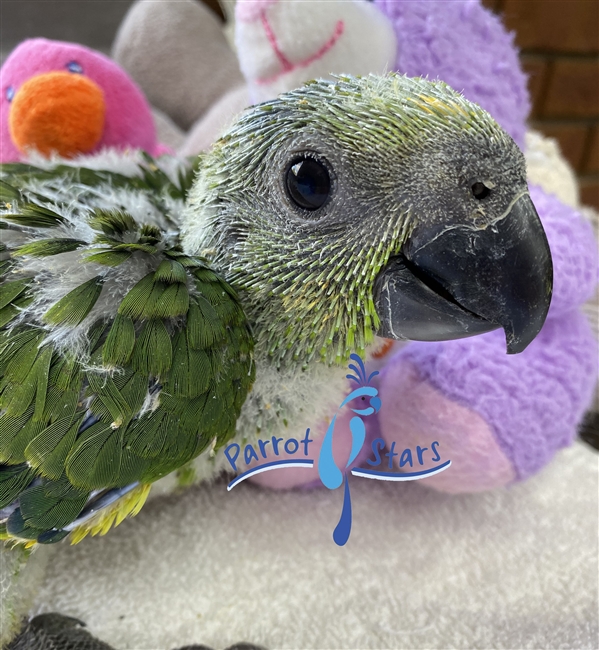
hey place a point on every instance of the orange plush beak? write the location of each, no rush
(58, 112)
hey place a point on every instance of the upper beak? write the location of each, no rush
(454, 282)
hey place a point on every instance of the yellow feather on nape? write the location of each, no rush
(111, 516)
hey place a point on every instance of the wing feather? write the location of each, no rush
(121, 357)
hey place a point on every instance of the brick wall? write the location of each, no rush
(559, 43)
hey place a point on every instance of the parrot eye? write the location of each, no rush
(308, 182)
(10, 93)
(480, 191)
(73, 66)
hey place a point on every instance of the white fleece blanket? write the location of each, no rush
(514, 568)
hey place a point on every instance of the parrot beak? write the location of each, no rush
(454, 282)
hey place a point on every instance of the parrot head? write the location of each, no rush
(384, 206)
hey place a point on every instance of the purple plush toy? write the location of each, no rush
(499, 418)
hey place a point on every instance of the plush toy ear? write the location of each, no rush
(546, 167)
(283, 43)
(178, 54)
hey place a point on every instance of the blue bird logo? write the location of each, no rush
(330, 474)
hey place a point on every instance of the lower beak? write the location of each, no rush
(460, 282)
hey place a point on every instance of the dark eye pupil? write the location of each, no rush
(308, 183)
(480, 191)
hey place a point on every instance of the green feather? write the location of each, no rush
(144, 248)
(46, 247)
(94, 462)
(170, 303)
(150, 234)
(148, 436)
(108, 257)
(171, 271)
(39, 510)
(62, 404)
(13, 480)
(133, 387)
(7, 314)
(112, 222)
(203, 324)
(153, 353)
(8, 193)
(120, 342)
(64, 372)
(42, 373)
(62, 488)
(20, 356)
(14, 451)
(17, 527)
(106, 392)
(34, 216)
(9, 291)
(5, 265)
(185, 260)
(49, 449)
(133, 304)
(76, 305)
(10, 427)
(191, 370)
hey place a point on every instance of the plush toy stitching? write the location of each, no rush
(285, 62)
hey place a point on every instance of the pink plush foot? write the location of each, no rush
(415, 414)
(498, 418)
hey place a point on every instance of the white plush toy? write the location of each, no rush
(282, 44)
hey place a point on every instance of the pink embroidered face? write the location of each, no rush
(282, 44)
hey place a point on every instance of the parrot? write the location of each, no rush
(152, 311)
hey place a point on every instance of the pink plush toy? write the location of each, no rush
(62, 98)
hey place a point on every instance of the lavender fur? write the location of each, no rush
(573, 250)
(465, 45)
